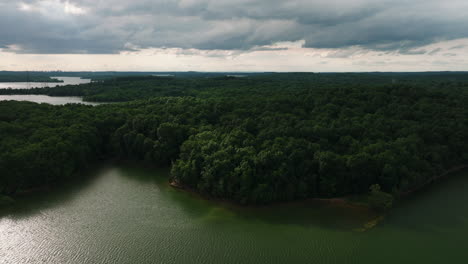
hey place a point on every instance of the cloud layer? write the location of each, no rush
(113, 26)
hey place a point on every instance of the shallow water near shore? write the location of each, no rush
(125, 214)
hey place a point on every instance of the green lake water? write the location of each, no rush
(122, 214)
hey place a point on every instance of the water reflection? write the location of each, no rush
(26, 206)
(306, 214)
(126, 214)
(437, 207)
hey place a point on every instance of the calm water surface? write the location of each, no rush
(25, 85)
(43, 98)
(122, 214)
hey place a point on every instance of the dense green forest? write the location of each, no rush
(254, 140)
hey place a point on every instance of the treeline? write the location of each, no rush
(25, 77)
(137, 87)
(251, 140)
(42, 76)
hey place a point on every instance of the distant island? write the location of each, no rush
(260, 139)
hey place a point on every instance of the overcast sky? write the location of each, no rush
(234, 35)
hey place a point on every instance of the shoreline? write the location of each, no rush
(432, 180)
(336, 201)
(344, 202)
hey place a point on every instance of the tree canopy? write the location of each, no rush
(258, 139)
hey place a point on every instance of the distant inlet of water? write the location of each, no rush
(26, 85)
(53, 100)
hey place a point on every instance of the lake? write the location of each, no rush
(54, 100)
(25, 85)
(125, 214)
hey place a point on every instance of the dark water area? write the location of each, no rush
(125, 214)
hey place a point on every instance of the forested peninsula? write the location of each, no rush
(258, 139)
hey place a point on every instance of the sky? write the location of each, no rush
(234, 35)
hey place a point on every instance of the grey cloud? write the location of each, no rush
(345, 53)
(434, 51)
(458, 47)
(267, 49)
(35, 33)
(413, 52)
(111, 26)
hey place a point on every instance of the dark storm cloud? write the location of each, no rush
(36, 32)
(110, 26)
